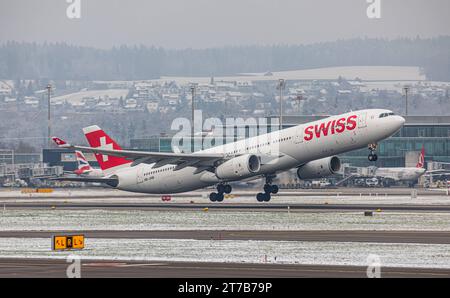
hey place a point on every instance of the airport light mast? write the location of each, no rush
(49, 91)
(406, 89)
(192, 116)
(280, 87)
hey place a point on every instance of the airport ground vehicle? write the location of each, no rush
(371, 182)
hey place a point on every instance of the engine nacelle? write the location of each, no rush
(319, 168)
(238, 167)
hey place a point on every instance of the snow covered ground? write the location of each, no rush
(41, 220)
(366, 73)
(288, 252)
(78, 96)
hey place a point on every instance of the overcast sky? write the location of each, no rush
(212, 23)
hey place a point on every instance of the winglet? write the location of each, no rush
(61, 143)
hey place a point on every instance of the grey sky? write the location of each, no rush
(211, 23)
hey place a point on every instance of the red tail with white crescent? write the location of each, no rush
(421, 162)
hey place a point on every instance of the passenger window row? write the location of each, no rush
(258, 146)
(159, 171)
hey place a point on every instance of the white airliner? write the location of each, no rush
(310, 147)
(410, 174)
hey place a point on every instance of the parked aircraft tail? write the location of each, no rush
(83, 164)
(421, 162)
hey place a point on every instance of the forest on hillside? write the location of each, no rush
(61, 61)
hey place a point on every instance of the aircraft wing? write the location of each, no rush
(438, 171)
(160, 158)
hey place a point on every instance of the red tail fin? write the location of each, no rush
(59, 142)
(421, 162)
(97, 138)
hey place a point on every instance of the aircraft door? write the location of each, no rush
(299, 135)
(362, 120)
(140, 175)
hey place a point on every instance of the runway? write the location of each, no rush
(429, 237)
(57, 268)
(96, 193)
(231, 206)
(307, 233)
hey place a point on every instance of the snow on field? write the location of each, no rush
(286, 252)
(366, 73)
(78, 96)
(39, 219)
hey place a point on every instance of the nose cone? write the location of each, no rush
(392, 124)
(402, 120)
(398, 122)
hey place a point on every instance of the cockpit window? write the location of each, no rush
(382, 115)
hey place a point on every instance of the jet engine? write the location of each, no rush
(319, 168)
(238, 167)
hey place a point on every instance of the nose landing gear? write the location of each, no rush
(372, 155)
(221, 189)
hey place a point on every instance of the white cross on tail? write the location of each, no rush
(103, 145)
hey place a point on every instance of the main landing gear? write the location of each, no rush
(372, 155)
(269, 188)
(221, 189)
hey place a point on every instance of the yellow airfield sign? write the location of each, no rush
(65, 242)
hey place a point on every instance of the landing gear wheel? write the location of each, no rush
(220, 188)
(275, 189)
(373, 157)
(260, 197)
(213, 197)
(263, 197)
(219, 197)
(227, 188)
(267, 188)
